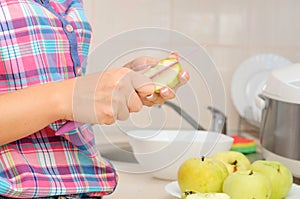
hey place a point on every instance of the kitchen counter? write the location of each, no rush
(140, 186)
(146, 186)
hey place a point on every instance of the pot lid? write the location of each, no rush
(283, 84)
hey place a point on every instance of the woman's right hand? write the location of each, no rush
(105, 97)
(97, 98)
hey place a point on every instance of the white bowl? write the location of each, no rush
(163, 151)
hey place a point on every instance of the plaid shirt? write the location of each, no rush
(36, 47)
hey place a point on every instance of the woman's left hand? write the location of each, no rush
(142, 64)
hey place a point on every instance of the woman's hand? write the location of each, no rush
(97, 98)
(142, 64)
(113, 94)
(108, 96)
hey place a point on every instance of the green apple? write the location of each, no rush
(167, 77)
(193, 195)
(202, 175)
(279, 175)
(247, 184)
(233, 160)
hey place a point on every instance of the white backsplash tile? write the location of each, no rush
(274, 23)
(109, 18)
(213, 22)
(233, 30)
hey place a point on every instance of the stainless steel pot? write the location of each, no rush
(280, 128)
(280, 123)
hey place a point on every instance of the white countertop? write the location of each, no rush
(137, 186)
(134, 186)
(131, 185)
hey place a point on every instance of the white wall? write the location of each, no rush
(232, 30)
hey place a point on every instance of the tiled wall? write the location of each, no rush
(232, 30)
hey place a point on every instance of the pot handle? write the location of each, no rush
(261, 102)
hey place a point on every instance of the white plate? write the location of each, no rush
(248, 81)
(173, 189)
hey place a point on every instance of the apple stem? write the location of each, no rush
(202, 158)
(251, 172)
(235, 162)
(278, 170)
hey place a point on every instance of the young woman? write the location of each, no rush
(43, 44)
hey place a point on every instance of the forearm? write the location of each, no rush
(26, 111)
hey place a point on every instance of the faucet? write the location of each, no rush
(218, 119)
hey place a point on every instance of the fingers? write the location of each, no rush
(142, 84)
(142, 64)
(121, 109)
(154, 99)
(165, 93)
(122, 91)
(173, 55)
(130, 89)
(134, 103)
(122, 106)
(145, 90)
(184, 77)
(146, 61)
(113, 94)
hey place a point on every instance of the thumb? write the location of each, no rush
(142, 84)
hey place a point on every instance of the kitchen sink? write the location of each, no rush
(122, 151)
(121, 156)
(117, 152)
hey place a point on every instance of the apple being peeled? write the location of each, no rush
(279, 175)
(202, 175)
(247, 184)
(163, 75)
(233, 160)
